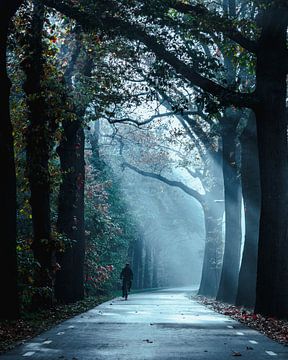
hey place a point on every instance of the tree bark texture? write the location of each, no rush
(211, 270)
(232, 193)
(37, 154)
(213, 209)
(69, 285)
(272, 271)
(250, 179)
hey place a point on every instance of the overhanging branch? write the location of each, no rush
(98, 21)
(221, 24)
(149, 120)
(177, 184)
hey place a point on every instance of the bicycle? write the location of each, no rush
(125, 289)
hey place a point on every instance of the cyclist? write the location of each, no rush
(127, 277)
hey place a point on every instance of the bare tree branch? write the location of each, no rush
(177, 184)
(149, 120)
(184, 120)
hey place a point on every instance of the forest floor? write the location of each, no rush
(30, 324)
(274, 328)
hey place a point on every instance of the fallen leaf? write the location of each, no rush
(236, 353)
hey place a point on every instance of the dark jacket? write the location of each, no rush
(126, 274)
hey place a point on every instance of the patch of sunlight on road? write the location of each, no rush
(197, 319)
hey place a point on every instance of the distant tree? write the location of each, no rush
(154, 159)
(111, 229)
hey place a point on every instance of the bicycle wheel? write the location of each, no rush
(125, 290)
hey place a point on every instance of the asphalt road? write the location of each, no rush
(162, 325)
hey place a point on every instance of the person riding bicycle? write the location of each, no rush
(127, 277)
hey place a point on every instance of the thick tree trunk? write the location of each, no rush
(232, 189)
(69, 285)
(38, 152)
(272, 272)
(232, 193)
(211, 270)
(8, 264)
(251, 197)
(213, 209)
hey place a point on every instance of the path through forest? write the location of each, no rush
(163, 324)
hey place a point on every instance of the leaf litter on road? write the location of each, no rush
(274, 328)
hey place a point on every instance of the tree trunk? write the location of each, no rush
(213, 208)
(147, 267)
(211, 270)
(38, 152)
(69, 285)
(79, 247)
(155, 269)
(141, 264)
(272, 271)
(8, 261)
(251, 197)
(232, 192)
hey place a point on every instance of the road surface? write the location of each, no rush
(164, 324)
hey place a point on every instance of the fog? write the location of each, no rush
(170, 222)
